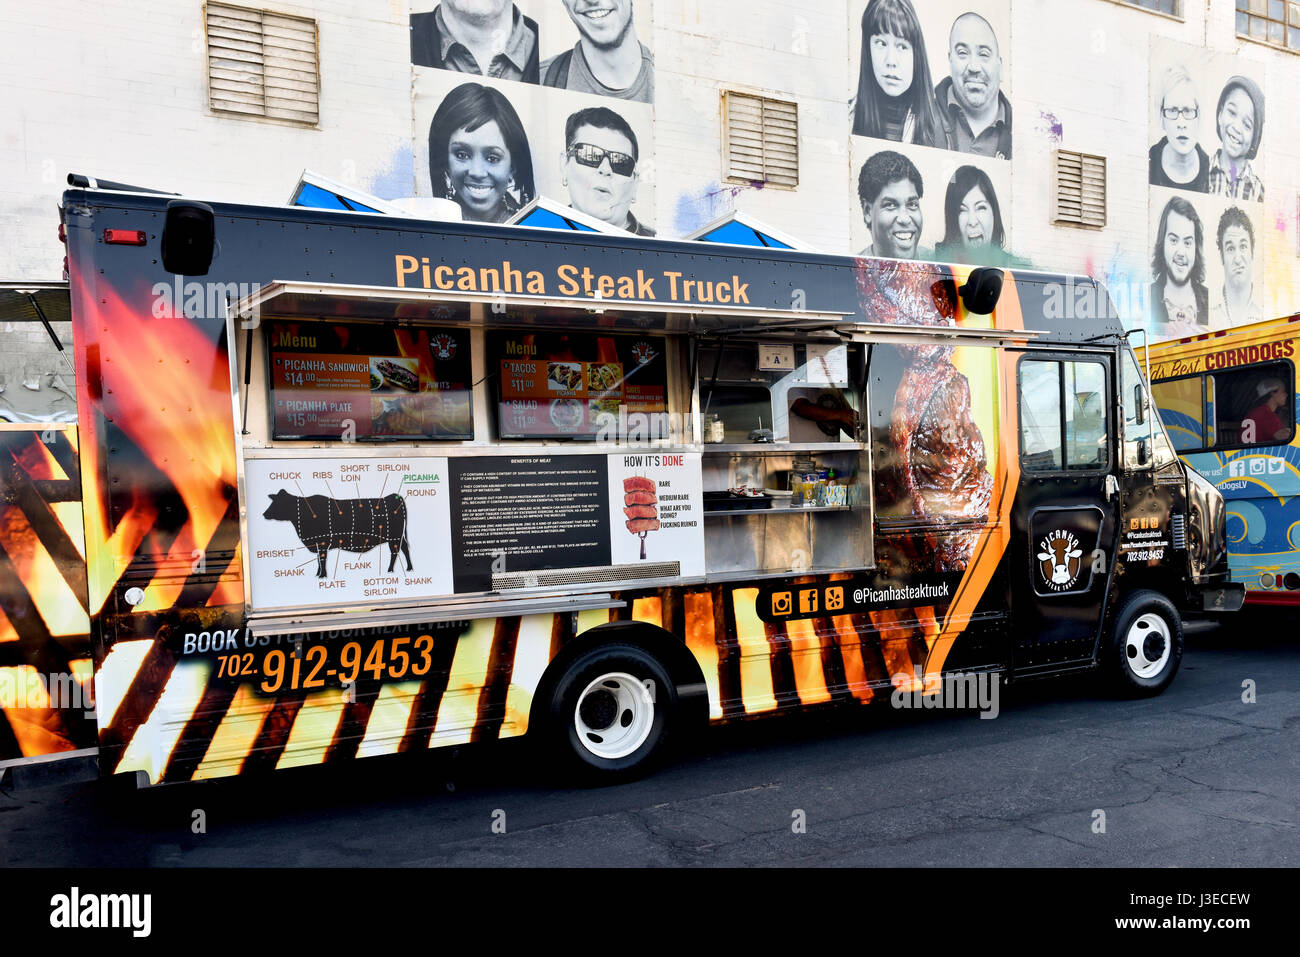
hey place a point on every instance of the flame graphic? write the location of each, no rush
(166, 386)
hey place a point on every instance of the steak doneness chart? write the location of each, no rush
(657, 509)
(347, 530)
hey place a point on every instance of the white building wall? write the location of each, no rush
(790, 51)
(118, 91)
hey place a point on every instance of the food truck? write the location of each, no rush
(355, 484)
(1228, 400)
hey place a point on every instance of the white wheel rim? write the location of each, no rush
(614, 715)
(1147, 645)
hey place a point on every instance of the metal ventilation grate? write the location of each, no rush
(760, 139)
(1079, 190)
(262, 64)
(585, 576)
(1179, 534)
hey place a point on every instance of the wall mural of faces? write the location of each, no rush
(929, 204)
(1207, 123)
(1206, 192)
(933, 74)
(536, 98)
(931, 119)
(493, 146)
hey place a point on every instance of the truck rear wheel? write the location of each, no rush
(611, 713)
(1146, 646)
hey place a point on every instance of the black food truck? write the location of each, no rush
(354, 485)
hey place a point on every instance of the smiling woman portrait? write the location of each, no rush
(1239, 120)
(479, 155)
(895, 98)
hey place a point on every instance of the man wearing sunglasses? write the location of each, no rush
(600, 156)
(608, 59)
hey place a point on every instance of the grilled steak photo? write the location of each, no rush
(935, 464)
(642, 508)
(398, 375)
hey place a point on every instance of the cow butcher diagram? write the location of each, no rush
(641, 507)
(350, 525)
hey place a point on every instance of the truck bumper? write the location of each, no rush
(1223, 598)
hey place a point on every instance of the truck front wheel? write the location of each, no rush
(1146, 646)
(611, 713)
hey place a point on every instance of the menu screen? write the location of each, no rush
(576, 385)
(368, 382)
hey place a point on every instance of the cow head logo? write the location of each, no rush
(643, 353)
(1060, 559)
(444, 346)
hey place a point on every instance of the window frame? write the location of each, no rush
(1065, 471)
(1286, 23)
(1134, 5)
(1275, 443)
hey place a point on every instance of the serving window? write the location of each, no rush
(1243, 407)
(368, 382)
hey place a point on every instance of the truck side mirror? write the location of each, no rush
(189, 238)
(1139, 405)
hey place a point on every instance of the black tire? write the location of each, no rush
(584, 721)
(1146, 645)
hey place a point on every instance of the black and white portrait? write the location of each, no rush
(973, 228)
(485, 37)
(609, 58)
(976, 112)
(895, 97)
(599, 165)
(1177, 159)
(889, 192)
(479, 154)
(1239, 121)
(1179, 297)
(1236, 304)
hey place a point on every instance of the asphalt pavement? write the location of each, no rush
(1063, 776)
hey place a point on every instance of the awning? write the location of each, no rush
(740, 229)
(26, 301)
(316, 300)
(544, 213)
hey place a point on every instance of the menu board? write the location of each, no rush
(368, 382)
(352, 529)
(576, 385)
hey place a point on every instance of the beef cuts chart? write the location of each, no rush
(363, 530)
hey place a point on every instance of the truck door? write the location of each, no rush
(1065, 513)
